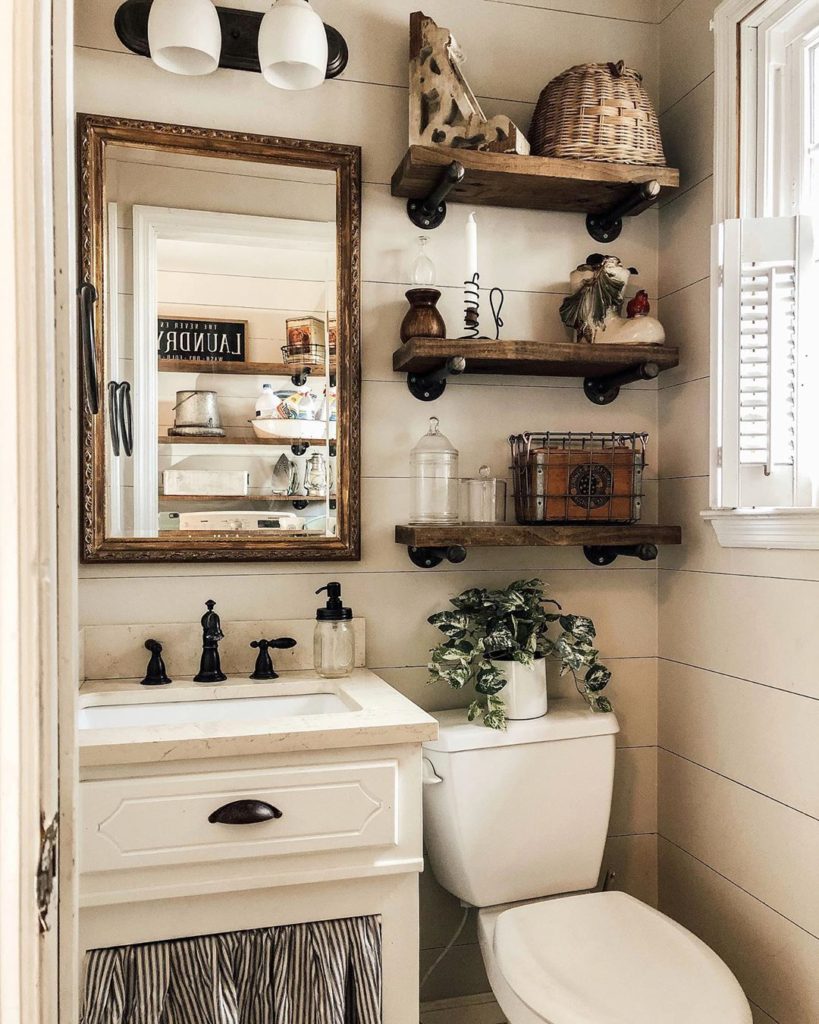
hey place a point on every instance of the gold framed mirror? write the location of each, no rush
(219, 327)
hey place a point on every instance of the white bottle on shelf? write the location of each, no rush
(266, 403)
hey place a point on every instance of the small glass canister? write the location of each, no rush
(434, 472)
(483, 498)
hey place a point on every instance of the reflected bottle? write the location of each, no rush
(435, 484)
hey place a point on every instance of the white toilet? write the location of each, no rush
(515, 823)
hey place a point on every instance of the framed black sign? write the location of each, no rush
(212, 340)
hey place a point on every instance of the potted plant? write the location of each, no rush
(499, 640)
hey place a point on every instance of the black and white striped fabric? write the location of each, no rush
(324, 972)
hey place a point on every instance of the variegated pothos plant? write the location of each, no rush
(518, 623)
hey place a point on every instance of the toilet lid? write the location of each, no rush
(609, 959)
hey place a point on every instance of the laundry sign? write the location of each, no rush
(217, 341)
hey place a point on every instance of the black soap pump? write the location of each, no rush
(334, 638)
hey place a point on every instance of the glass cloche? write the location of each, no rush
(435, 484)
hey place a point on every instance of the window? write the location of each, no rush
(765, 386)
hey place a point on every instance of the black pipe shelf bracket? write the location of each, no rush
(428, 558)
(240, 36)
(603, 390)
(427, 387)
(606, 227)
(429, 213)
(606, 554)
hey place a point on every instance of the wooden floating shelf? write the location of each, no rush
(602, 543)
(527, 182)
(257, 442)
(530, 358)
(251, 369)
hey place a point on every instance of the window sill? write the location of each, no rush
(785, 528)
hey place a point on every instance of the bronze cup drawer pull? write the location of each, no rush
(244, 812)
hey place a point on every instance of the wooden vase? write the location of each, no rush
(422, 319)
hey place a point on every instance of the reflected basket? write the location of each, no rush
(565, 477)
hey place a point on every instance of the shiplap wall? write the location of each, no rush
(513, 50)
(738, 689)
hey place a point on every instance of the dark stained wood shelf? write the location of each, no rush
(256, 441)
(255, 369)
(505, 535)
(530, 358)
(527, 182)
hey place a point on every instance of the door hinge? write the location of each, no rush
(46, 869)
(719, 458)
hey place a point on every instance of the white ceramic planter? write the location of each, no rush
(525, 691)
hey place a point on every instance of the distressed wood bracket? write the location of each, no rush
(606, 227)
(240, 37)
(603, 390)
(429, 213)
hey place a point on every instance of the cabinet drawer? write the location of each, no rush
(147, 822)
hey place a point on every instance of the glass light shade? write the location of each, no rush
(185, 36)
(293, 46)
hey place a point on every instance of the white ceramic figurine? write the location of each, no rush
(594, 309)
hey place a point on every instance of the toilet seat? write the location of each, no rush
(607, 958)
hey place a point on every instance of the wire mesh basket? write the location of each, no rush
(565, 477)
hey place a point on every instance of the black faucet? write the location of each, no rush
(210, 669)
(264, 665)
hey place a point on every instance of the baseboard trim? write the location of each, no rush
(478, 1009)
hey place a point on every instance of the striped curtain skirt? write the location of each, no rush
(324, 972)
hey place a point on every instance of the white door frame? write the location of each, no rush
(29, 520)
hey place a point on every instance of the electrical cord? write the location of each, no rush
(446, 948)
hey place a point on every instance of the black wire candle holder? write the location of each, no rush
(472, 308)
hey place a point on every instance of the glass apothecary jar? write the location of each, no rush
(483, 498)
(435, 483)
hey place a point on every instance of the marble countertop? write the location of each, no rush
(376, 714)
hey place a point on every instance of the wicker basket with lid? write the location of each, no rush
(597, 112)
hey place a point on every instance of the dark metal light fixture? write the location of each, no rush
(240, 37)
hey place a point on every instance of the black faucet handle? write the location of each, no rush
(155, 674)
(264, 663)
(282, 643)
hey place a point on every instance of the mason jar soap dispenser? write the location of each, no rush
(334, 639)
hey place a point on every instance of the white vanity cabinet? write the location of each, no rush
(342, 837)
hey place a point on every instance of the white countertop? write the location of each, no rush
(378, 715)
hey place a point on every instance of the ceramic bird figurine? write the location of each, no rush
(639, 305)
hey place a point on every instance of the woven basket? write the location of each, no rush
(597, 112)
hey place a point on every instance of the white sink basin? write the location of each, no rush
(192, 712)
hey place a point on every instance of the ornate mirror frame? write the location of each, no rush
(94, 134)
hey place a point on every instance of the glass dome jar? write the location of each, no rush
(435, 483)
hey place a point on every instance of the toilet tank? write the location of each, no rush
(522, 813)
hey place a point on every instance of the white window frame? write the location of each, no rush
(741, 70)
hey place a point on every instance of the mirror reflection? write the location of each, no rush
(221, 335)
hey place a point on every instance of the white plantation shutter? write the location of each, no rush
(763, 265)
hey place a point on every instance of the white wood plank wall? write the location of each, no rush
(738, 693)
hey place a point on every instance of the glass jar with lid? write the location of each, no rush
(435, 483)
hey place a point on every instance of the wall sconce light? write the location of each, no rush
(185, 36)
(293, 45)
(289, 45)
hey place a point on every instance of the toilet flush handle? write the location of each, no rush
(431, 777)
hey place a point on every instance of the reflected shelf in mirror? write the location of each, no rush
(256, 442)
(250, 369)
